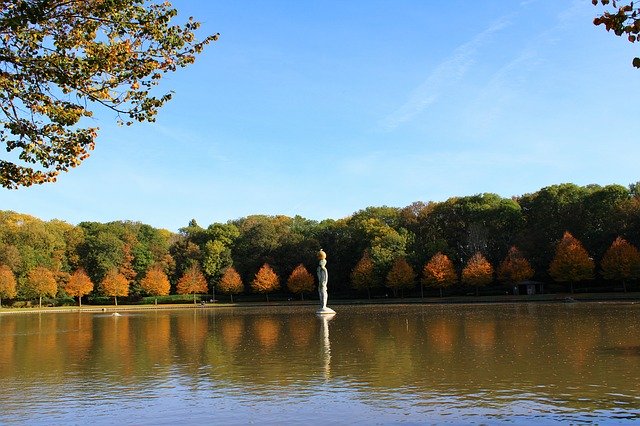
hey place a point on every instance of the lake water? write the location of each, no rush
(524, 363)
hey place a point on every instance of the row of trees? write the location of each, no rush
(392, 241)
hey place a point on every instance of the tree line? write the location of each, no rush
(568, 236)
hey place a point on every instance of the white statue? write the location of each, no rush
(323, 278)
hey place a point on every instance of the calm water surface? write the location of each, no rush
(543, 363)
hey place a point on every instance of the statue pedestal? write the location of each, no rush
(325, 311)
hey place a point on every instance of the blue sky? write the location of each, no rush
(324, 108)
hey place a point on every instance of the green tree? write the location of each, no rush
(61, 57)
(300, 281)
(571, 262)
(7, 283)
(621, 262)
(401, 276)
(40, 282)
(625, 21)
(477, 272)
(265, 281)
(192, 282)
(78, 285)
(439, 272)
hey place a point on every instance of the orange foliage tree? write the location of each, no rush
(621, 262)
(230, 282)
(126, 267)
(514, 268)
(438, 272)
(571, 262)
(115, 284)
(300, 281)
(265, 281)
(192, 282)
(362, 275)
(477, 272)
(400, 276)
(155, 282)
(41, 282)
(7, 283)
(78, 285)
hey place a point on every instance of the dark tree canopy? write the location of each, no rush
(623, 20)
(61, 58)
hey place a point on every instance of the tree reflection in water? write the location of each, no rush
(483, 360)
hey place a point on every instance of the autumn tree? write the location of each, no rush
(60, 58)
(621, 262)
(265, 281)
(363, 275)
(230, 282)
(624, 20)
(115, 284)
(126, 267)
(192, 282)
(477, 272)
(300, 281)
(155, 282)
(7, 283)
(514, 268)
(571, 262)
(40, 282)
(78, 285)
(401, 276)
(439, 272)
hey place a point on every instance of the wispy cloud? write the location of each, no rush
(444, 76)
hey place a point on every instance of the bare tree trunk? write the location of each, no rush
(231, 294)
(194, 298)
(421, 291)
(440, 291)
(267, 296)
(624, 285)
(115, 298)
(368, 293)
(80, 301)
(40, 302)
(302, 295)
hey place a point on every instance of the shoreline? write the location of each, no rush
(453, 300)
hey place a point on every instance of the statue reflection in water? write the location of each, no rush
(326, 344)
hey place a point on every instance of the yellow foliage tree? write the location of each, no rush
(362, 275)
(400, 276)
(621, 262)
(7, 283)
(477, 272)
(514, 268)
(571, 262)
(265, 281)
(300, 281)
(192, 282)
(439, 272)
(78, 285)
(115, 284)
(41, 282)
(155, 282)
(231, 283)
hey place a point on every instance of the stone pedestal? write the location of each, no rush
(325, 311)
